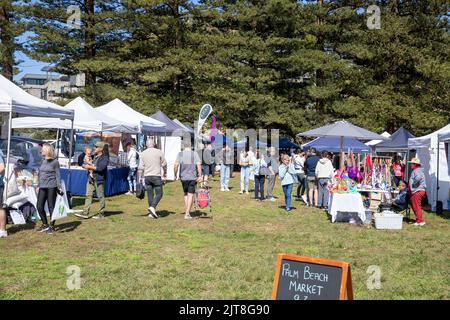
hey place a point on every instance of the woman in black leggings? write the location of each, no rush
(49, 187)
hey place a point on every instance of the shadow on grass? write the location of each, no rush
(161, 214)
(68, 226)
(21, 227)
(112, 213)
(200, 214)
(284, 208)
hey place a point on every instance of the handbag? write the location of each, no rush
(140, 191)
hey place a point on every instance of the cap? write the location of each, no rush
(415, 161)
(99, 144)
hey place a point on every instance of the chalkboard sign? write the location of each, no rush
(306, 278)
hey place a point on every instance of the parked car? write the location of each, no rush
(27, 149)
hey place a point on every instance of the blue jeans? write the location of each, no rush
(245, 173)
(224, 176)
(259, 186)
(287, 189)
(323, 192)
(132, 179)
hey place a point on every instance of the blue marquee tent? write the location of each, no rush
(332, 144)
(398, 142)
(285, 143)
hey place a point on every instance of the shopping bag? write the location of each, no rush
(17, 217)
(140, 191)
(60, 210)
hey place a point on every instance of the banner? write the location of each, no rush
(205, 111)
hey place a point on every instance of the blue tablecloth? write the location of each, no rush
(116, 181)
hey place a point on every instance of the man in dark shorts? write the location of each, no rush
(190, 167)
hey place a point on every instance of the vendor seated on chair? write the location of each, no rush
(401, 201)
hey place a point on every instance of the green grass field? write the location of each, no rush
(230, 254)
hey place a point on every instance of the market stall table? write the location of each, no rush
(346, 202)
(116, 181)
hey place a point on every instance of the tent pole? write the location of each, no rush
(8, 153)
(70, 157)
(437, 171)
(57, 144)
(165, 142)
(341, 156)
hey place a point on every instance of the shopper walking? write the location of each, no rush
(299, 165)
(49, 187)
(190, 172)
(151, 165)
(273, 166)
(260, 172)
(132, 159)
(288, 179)
(244, 162)
(324, 174)
(226, 163)
(310, 169)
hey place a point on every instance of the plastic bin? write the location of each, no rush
(388, 220)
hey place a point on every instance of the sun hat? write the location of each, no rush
(415, 161)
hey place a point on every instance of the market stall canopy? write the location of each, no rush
(375, 142)
(426, 141)
(171, 126)
(343, 129)
(285, 143)
(398, 142)
(16, 100)
(188, 128)
(332, 144)
(243, 143)
(118, 110)
(85, 113)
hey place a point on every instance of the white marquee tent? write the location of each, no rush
(435, 164)
(86, 118)
(119, 110)
(14, 100)
(372, 143)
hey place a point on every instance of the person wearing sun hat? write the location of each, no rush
(417, 187)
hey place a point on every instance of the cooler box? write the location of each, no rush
(388, 220)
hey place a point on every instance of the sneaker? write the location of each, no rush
(81, 215)
(272, 199)
(305, 199)
(49, 230)
(421, 224)
(222, 189)
(152, 213)
(246, 192)
(129, 193)
(187, 217)
(43, 228)
(288, 209)
(98, 216)
(3, 233)
(226, 189)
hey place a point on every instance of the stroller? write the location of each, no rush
(203, 198)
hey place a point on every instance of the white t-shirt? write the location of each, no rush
(131, 157)
(299, 164)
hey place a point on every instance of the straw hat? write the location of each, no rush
(415, 161)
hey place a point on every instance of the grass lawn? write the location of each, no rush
(231, 254)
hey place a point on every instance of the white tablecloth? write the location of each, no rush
(346, 202)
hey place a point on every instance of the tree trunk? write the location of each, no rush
(7, 41)
(89, 37)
